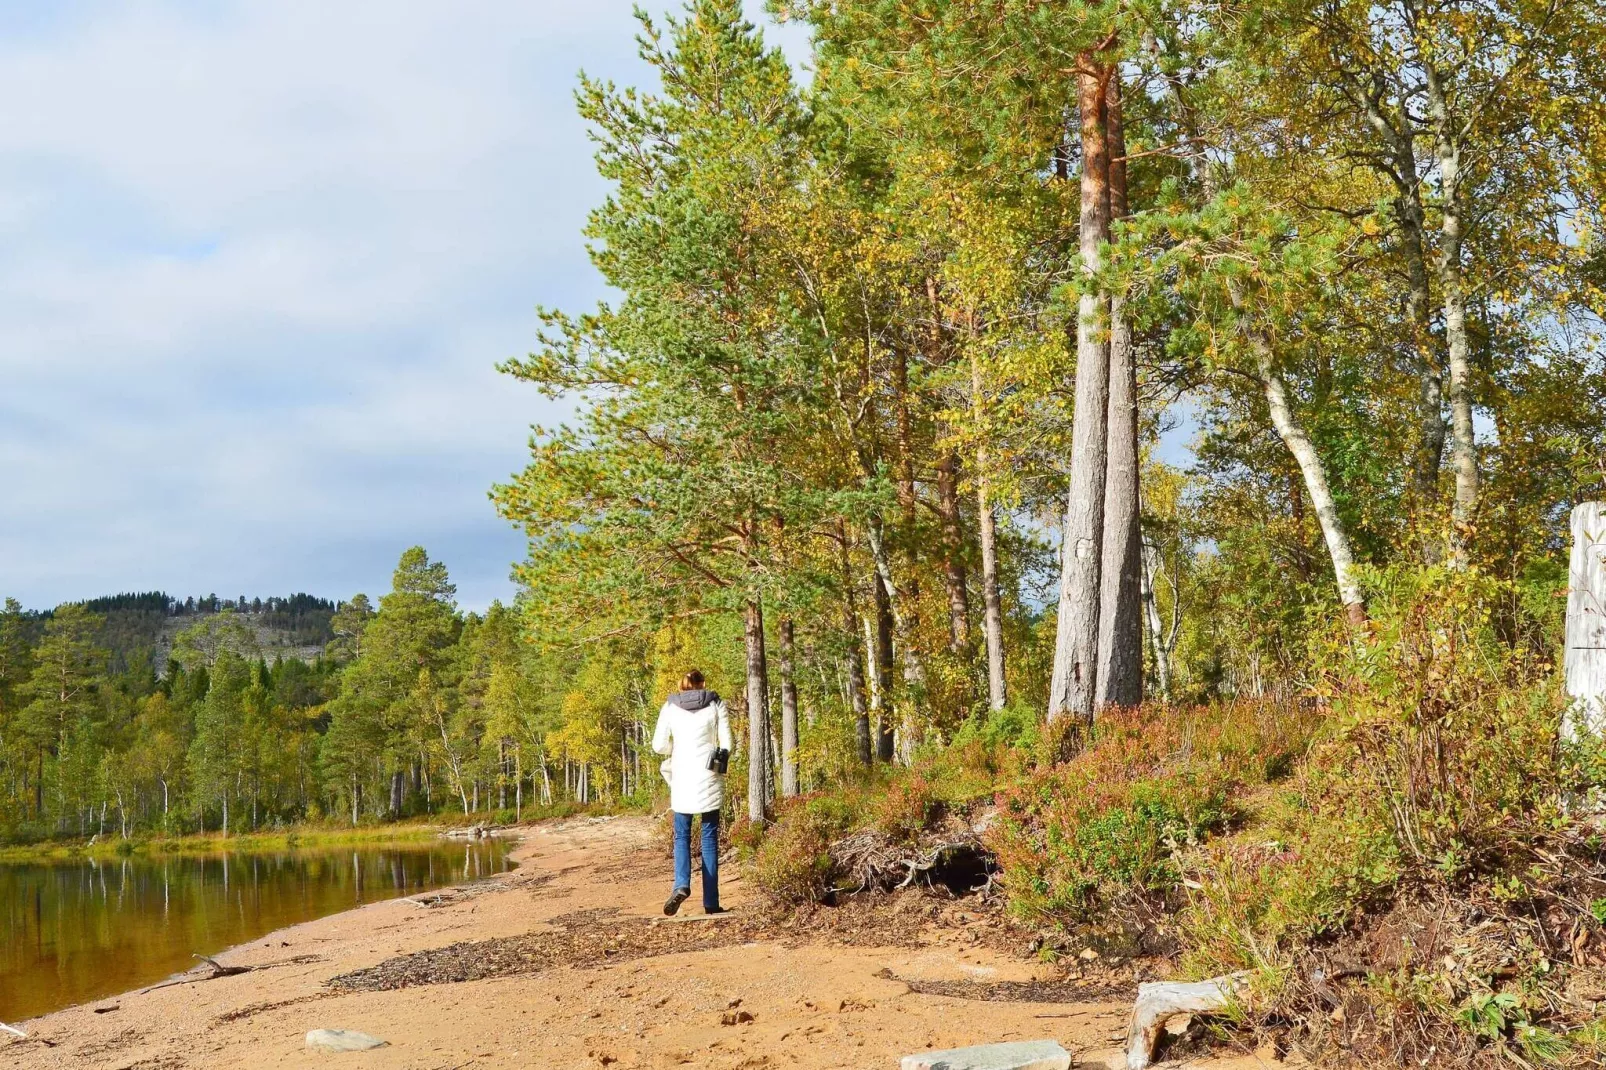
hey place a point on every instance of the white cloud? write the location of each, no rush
(257, 261)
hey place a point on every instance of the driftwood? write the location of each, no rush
(1159, 1002)
(13, 1030)
(218, 970)
(441, 899)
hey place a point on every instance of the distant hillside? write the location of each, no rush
(141, 627)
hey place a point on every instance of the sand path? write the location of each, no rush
(783, 998)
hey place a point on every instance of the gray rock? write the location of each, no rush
(342, 1040)
(1015, 1055)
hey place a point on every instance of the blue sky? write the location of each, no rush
(257, 261)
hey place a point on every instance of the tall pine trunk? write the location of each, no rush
(856, 655)
(1120, 665)
(902, 625)
(882, 647)
(789, 741)
(758, 716)
(953, 555)
(1072, 685)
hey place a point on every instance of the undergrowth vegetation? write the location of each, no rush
(1404, 863)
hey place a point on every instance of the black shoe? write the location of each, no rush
(677, 897)
(716, 910)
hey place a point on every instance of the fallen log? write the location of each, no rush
(1160, 1001)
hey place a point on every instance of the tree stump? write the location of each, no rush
(1586, 621)
(1160, 1001)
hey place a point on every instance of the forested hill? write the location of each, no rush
(141, 627)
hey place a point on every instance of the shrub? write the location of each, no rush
(909, 805)
(1257, 897)
(792, 863)
(1442, 786)
(1109, 822)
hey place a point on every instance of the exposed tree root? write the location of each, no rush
(869, 859)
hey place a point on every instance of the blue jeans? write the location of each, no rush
(710, 855)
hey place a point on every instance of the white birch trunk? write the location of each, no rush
(1463, 447)
(1321, 495)
(993, 618)
(1151, 615)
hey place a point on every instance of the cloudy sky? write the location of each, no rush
(257, 261)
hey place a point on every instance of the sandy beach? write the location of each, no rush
(568, 963)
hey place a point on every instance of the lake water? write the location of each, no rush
(71, 932)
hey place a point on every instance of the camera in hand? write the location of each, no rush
(720, 760)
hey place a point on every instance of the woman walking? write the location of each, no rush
(694, 733)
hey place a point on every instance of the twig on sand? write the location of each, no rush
(218, 970)
(13, 1030)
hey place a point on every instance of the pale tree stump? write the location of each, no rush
(1585, 660)
(1160, 1001)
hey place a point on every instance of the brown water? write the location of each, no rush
(72, 932)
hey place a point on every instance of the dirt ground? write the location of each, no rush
(568, 963)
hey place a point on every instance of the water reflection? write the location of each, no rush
(76, 931)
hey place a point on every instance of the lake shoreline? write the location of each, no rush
(288, 838)
(611, 983)
(83, 929)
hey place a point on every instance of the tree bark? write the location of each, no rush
(883, 669)
(1119, 678)
(1151, 607)
(856, 649)
(1072, 685)
(1398, 162)
(789, 781)
(1316, 487)
(1463, 451)
(1584, 661)
(997, 687)
(1429, 457)
(758, 720)
(953, 559)
(993, 610)
(903, 626)
(905, 431)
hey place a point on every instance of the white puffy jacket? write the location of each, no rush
(691, 726)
